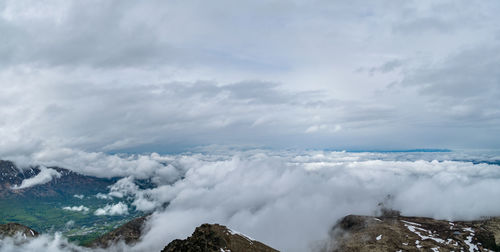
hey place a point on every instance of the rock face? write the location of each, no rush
(129, 232)
(399, 233)
(68, 184)
(216, 238)
(11, 229)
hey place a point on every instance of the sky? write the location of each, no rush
(167, 76)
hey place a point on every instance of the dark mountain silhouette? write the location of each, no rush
(216, 238)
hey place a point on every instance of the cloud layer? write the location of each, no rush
(290, 199)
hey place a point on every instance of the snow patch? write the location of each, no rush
(472, 246)
(242, 235)
(417, 243)
(423, 237)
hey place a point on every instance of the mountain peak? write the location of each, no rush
(217, 238)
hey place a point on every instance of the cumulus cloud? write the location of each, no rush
(119, 208)
(45, 176)
(80, 208)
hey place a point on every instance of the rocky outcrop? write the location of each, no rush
(400, 233)
(129, 232)
(12, 229)
(216, 238)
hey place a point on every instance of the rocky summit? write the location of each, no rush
(400, 233)
(12, 229)
(216, 238)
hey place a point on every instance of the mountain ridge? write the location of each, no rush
(67, 185)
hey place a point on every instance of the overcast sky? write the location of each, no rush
(163, 76)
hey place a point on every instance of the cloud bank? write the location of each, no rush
(45, 176)
(291, 201)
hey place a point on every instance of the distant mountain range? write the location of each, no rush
(67, 185)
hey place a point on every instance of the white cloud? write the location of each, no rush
(103, 196)
(45, 176)
(119, 208)
(80, 208)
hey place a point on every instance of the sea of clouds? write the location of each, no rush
(290, 199)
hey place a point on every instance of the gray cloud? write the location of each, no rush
(142, 76)
(462, 88)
